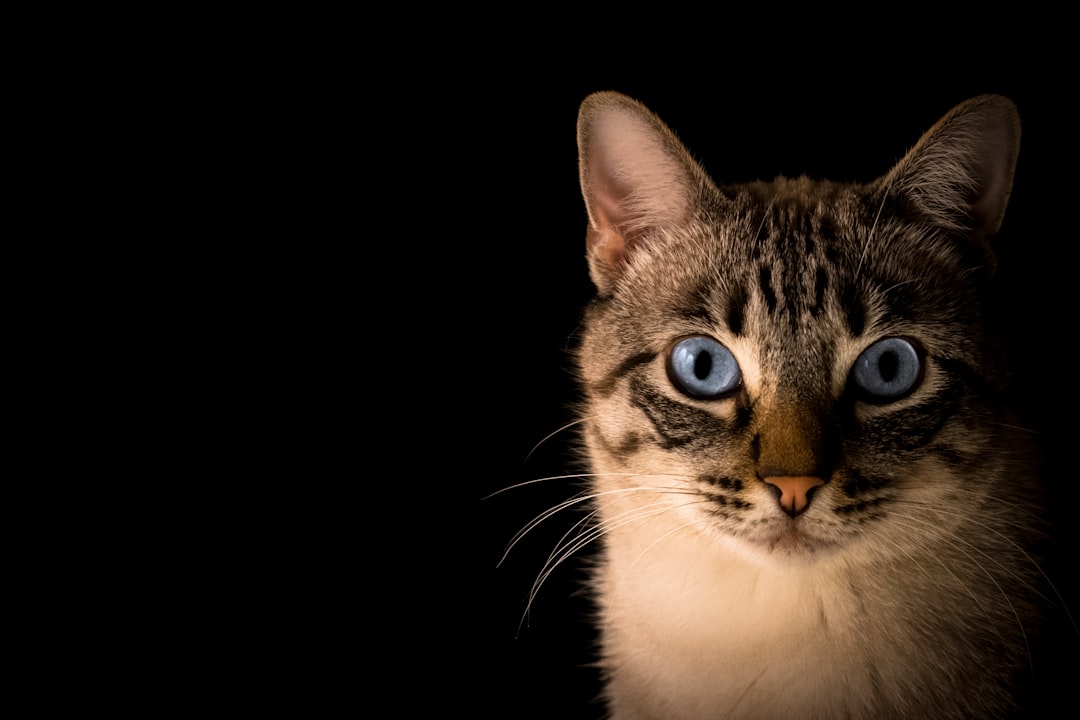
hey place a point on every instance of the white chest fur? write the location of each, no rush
(700, 631)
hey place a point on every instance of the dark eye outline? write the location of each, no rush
(686, 364)
(865, 376)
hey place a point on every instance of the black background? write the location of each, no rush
(444, 207)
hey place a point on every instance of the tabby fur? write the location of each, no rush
(897, 582)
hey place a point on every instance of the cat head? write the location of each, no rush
(799, 356)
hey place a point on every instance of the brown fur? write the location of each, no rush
(904, 586)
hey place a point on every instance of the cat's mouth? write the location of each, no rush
(791, 537)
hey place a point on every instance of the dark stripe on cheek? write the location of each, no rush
(677, 425)
(957, 458)
(914, 427)
(621, 449)
(606, 385)
(970, 377)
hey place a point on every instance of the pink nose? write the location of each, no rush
(794, 491)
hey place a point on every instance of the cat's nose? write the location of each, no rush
(795, 491)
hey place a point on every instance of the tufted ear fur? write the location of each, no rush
(637, 179)
(960, 173)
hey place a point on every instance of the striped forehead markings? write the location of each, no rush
(736, 310)
(765, 284)
(821, 284)
(802, 293)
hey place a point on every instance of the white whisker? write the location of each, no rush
(526, 483)
(873, 229)
(552, 434)
(568, 546)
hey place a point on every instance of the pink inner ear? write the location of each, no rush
(635, 182)
(610, 202)
(638, 182)
(613, 220)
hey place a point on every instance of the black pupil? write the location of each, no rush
(888, 364)
(702, 365)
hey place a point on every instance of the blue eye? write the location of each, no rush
(887, 370)
(703, 368)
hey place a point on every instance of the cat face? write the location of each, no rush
(792, 368)
(785, 375)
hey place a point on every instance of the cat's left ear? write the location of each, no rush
(637, 179)
(960, 173)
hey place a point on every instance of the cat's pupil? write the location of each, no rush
(887, 366)
(703, 365)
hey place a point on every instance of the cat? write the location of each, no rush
(811, 496)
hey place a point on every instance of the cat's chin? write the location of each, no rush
(793, 542)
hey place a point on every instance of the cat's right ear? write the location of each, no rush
(960, 173)
(637, 179)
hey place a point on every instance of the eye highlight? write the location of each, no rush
(887, 370)
(702, 368)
